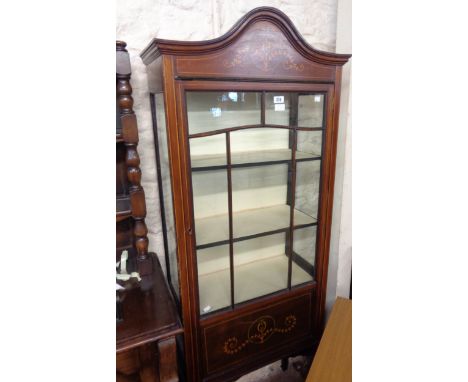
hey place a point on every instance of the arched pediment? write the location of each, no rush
(263, 44)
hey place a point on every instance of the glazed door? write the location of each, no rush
(255, 166)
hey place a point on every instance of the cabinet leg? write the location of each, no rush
(168, 360)
(284, 363)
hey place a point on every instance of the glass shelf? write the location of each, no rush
(213, 230)
(254, 279)
(249, 158)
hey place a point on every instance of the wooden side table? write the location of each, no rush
(332, 362)
(146, 337)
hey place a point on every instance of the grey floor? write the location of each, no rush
(297, 372)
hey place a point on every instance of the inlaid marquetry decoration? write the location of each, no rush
(273, 51)
(245, 130)
(259, 332)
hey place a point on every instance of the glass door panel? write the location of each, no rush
(310, 110)
(307, 185)
(209, 111)
(259, 145)
(210, 204)
(207, 153)
(165, 192)
(255, 184)
(214, 281)
(307, 188)
(277, 108)
(309, 145)
(303, 256)
(260, 267)
(295, 109)
(257, 188)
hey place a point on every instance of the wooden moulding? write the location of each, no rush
(270, 15)
(262, 52)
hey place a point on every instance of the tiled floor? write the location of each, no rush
(297, 372)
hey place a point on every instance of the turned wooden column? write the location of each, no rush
(132, 159)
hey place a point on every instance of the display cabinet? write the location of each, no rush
(245, 132)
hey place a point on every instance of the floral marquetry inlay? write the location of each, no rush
(273, 51)
(259, 332)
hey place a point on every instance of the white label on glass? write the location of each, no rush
(216, 111)
(232, 96)
(206, 309)
(317, 98)
(280, 107)
(278, 99)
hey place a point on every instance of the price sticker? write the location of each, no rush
(278, 99)
(280, 107)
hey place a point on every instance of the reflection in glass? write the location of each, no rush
(256, 140)
(208, 151)
(166, 188)
(210, 204)
(214, 278)
(308, 187)
(303, 255)
(309, 142)
(257, 187)
(310, 110)
(260, 267)
(208, 111)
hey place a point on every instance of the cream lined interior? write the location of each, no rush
(259, 194)
(247, 222)
(254, 279)
(260, 268)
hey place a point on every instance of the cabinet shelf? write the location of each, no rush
(251, 280)
(123, 207)
(214, 230)
(249, 158)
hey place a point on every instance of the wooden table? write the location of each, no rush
(332, 362)
(146, 338)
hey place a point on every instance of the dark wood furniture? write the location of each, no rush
(332, 362)
(148, 323)
(246, 130)
(146, 337)
(130, 206)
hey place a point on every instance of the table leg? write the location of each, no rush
(168, 360)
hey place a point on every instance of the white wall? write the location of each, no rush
(140, 21)
(339, 271)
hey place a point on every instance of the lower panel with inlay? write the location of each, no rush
(255, 334)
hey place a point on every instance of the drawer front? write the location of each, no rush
(230, 342)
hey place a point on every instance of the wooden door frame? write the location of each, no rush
(177, 130)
